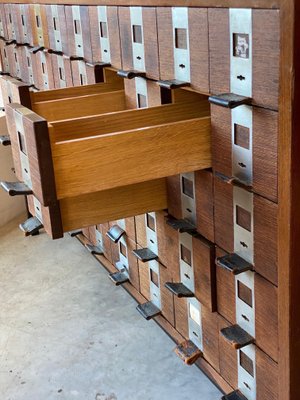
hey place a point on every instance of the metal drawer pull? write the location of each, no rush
(188, 352)
(173, 84)
(119, 278)
(236, 395)
(145, 255)
(97, 250)
(115, 233)
(16, 188)
(179, 289)
(130, 74)
(229, 100)
(148, 310)
(234, 263)
(31, 226)
(5, 140)
(237, 337)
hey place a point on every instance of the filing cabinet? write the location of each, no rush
(238, 209)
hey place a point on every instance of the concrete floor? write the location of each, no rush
(67, 333)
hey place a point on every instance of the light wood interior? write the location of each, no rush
(110, 205)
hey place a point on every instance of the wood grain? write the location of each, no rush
(181, 316)
(150, 42)
(204, 272)
(225, 291)
(168, 244)
(210, 330)
(174, 196)
(266, 316)
(167, 299)
(223, 203)
(66, 72)
(265, 234)
(266, 377)
(76, 107)
(39, 33)
(228, 357)
(101, 207)
(204, 203)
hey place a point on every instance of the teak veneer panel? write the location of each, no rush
(266, 377)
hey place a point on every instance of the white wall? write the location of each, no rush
(10, 207)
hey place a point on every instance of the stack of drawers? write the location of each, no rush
(179, 201)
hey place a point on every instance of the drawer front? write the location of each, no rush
(42, 70)
(256, 40)
(57, 28)
(62, 72)
(183, 45)
(39, 25)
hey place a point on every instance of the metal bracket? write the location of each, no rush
(229, 100)
(10, 42)
(246, 375)
(188, 199)
(237, 337)
(180, 21)
(245, 307)
(236, 395)
(119, 278)
(5, 140)
(131, 74)
(186, 261)
(56, 32)
(16, 188)
(31, 226)
(36, 49)
(240, 21)
(180, 225)
(115, 233)
(195, 322)
(141, 90)
(188, 352)
(234, 263)
(179, 289)
(77, 29)
(148, 310)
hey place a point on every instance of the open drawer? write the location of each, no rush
(111, 159)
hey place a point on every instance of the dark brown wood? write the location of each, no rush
(41, 61)
(168, 245)
(225, 291)
(167, 299)
(210, 331)
(266, 377)
(228, 357)
(266, 316)
(204, 272)
(14, 91)
(265, 234)
(204, 203)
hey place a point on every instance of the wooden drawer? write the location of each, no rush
(142, 93)
(266, 308)
(14, 91)
(203, 195)
(138, 34)
(105, 39)
(62, 72)
(183, 46)
(98, 237)
(259, 144)
(39, 25)
(11, 15)
(57, 28)
(79, 35)
(42, 70)
(86, 73)
(265, 40)
(24, 32)
(3, 27)
(264, 228)
(4, 57)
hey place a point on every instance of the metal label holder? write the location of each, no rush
(182, 67)
(78, 39)
(138, 50)
(186, 270)
(247, 382)
(195, 322)
(104, 41)
(188, 204)
(56, 28)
